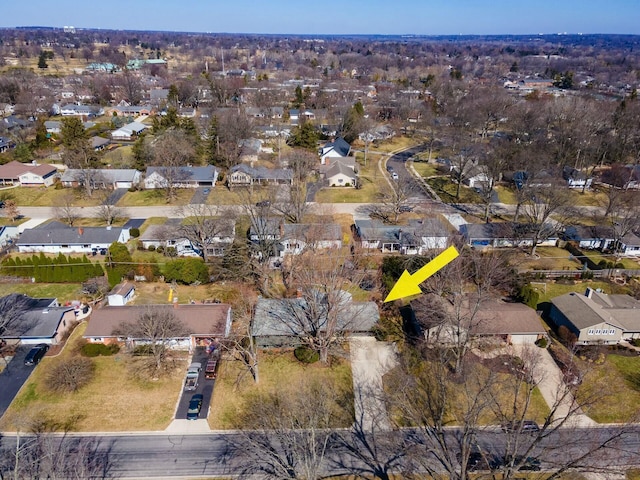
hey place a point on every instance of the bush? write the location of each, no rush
(99, 349)
(542, 342)
(134, 232)
(152, 248)
(635, 342)
(142, 350)
(70, 375)
(306, 355)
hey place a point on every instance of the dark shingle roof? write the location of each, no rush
(68, 235)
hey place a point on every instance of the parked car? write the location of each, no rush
(263, 204)
(35, 354)
(389, 168)
(193, 375)
(528, 426)
(206, 191)
(405, 209)
(524, 463)
(394, 175)
(195, 404)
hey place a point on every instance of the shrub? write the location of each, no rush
(160, 249)
(635, 342)
(142, 350)
(152, 248)
(70, 375)
(306, 355)
(542, 342)
(97, 349)
(134, 232)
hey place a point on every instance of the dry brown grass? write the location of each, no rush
(158, 293)
(278, 370)
(115, 400)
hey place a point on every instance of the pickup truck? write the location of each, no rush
(210, 369)
(193, 374)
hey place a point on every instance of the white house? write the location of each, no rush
(55, 237)
(340, 175)
(298, 237)
(121, 294)
(39, 176)
(129, 131)
(339, 148)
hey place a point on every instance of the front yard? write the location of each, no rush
(278, 370)
(115, 400)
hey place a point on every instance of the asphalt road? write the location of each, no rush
(13, 377)
(202, 456)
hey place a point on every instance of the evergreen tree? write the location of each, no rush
(304, 136)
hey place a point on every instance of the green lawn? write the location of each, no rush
(144, 198)
(597, 257)
(446, 189)
(371, 180)
(506, 195)
(47, 196)
(64, 292)
(553, 290)
(426, 170)
(121, 157)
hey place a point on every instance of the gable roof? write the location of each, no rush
(53, 234)
(263, 173)
(200, 319)
(271, 317)
(593, 308)
(312, 231)
(339, 145)
(196, 174)
(338, 168)
(108, 175)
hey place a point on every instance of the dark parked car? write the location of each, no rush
(263, 204)
(389, 168)
(405, 209)
(206, 191)
(524, 463)
(36, 353)
(195, 404)
(528, 426)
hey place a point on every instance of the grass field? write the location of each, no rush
(143, 198)
(550, 258)
(446, 189)
(277, 370)
(371, 181)
(64, 292)
(426, 170)
(115, 400)
(48, 196)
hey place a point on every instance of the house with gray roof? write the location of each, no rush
(37, 320)
(243, 175)
(299, 237)
(597, 318)
(104, 179)
(280, 322)
(129, 131)
(73, 110)
(339, 148)
(418, 237)
(505, 234)
(56, 237)
(340, 175)
(181, 177)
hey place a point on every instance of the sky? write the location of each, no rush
(387, 17)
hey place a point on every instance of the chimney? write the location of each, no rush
(80, 231)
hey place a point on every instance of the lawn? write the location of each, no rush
(120, 157)
(64, 292)
(371, 180)
(426, 170)
(506, 195)
(278, 370)
(597, 257)
(446, 189)
(143, 198)
(48, 196)
(614, 387)
(113, 401)
(158, 293)
(549, 258)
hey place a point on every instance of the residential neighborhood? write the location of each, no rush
(199, 234)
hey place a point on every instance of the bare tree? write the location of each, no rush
(172, 152)
(624, 218)
(288, 435)
(393, 198)
(11, 210)
(107, 211)
(64, 209)
(155, 326)
(207, 227)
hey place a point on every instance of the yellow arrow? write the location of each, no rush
(408, 285)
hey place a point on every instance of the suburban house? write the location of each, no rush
(72, 109)
(243, 175)
(416, 238)
(476, 177)
(121, 294)
(181, 177)
(55, 126)
(279, 322)
(575, 178)
(202, 322)
(339, 148)
(597, 318)
(298, 237)
(39, 320)
(504, 234)
(592, 237)
(123, 110)
(105, 178)
(99, 143)
(8, 234)
(340, 175)
(167, 236)
(5, 144)
(129, 131)
(494, 320)
(265, 229)
(33, 175)
(55, 237)
(295, 115)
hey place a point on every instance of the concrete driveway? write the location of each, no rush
(370, 360)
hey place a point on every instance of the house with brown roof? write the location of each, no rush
(203, 322)
(27, 174)
(494, 320)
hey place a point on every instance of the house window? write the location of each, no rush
(64, 246)
(598, 331)
(612, 331)
(590, 331)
